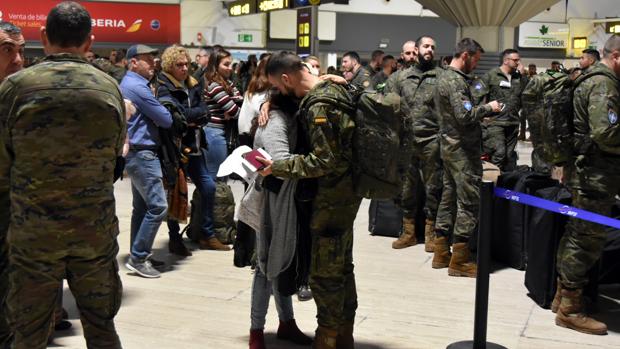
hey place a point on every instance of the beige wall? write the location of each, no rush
(489, 37)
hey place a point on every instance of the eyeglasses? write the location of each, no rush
(181, 65)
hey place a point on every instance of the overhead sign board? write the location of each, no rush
(271, 5)
(543, 35)
(304, 24)
(241, 8)
(111, 21)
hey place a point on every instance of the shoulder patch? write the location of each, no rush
(467, 105)
(612, 116)
(478, 86)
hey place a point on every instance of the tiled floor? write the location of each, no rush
(203, 301)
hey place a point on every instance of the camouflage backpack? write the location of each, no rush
(376, 141)
(223, 215)
(556, 126)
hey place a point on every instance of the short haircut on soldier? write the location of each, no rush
(611, 45)
(9, 28)
(386, 60)
(376, 54)
(592, 52)
(283, 62)
(418, 41)
(353, 55)
(507, 52)
(468, 45)
(68, 25)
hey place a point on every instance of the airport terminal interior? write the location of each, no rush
(404, 301)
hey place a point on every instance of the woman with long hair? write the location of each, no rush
(254, 97)
(224, 101)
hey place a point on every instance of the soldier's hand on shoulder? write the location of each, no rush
(334, 78)
(495, 106)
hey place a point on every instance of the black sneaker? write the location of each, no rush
(304, 294)
(143, 268)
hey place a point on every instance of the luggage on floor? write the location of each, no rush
(385, 218)
(511, 219)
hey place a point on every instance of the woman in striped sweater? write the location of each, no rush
(224, 101)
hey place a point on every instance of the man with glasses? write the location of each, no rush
(505, 84)
(202, 59)
(143, 167)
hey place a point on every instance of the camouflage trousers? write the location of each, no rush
(408, 200)
(432, 176)
(331, 268)
(500, 143)
(5, 331)
(538, 162)
(460, 199)
(594, 181)
(38, 264)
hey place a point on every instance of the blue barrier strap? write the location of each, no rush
(556, 207)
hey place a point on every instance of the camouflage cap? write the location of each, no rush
(140, 49)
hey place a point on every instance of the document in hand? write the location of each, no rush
(243, 162)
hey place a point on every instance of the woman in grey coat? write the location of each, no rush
(277, 238)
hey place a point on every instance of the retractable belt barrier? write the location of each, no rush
(556, 207)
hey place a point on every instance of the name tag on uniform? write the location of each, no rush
(504, 84)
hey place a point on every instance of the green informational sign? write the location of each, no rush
(244, 38)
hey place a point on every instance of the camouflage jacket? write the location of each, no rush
(532, 96)
(329, 130)
(361, 79)
(62, 125)
(507, 92)
(459, 119)
(596, 103)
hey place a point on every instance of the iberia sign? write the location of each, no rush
(111, 21)
(543, 35)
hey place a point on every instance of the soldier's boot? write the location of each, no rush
(407, 238)
(460, 265)
(557, 298)
(571, 314)
(325, 338)
(345, 336)
(213, 243)
(429, 236)
(257, 339)
(441, 249)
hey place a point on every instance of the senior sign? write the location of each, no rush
(112, 21)
(543, 35)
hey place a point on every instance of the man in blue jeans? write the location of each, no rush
(143, 167)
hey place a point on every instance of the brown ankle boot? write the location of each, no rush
(407, 238)
(289, 331)
(555, 305)
(429, 236)
(257, 339)
(460, 265)
(325, 338)
(571, 314)
(441, 249)
(345, 336)
(213, 243)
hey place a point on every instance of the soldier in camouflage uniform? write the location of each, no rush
(460, 141)
(594, 180)
(533, 108)
(505, 84)
(329, 129)
(351, 64)
(11, 61)
(416, 86)
(61, 129)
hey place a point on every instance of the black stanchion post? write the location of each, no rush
(485, 226)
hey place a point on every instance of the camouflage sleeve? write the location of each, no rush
(391, 83)
(530, 95)
(603, 111)
(6, 160)
(320, 161)
(462, 105)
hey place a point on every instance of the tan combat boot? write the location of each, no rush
(345, 336)
(429, 236)
(325, 338)
(441, 258)
(407, 238)
(212, 243)
(555, 305)
(459, 263)
(571, 314)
